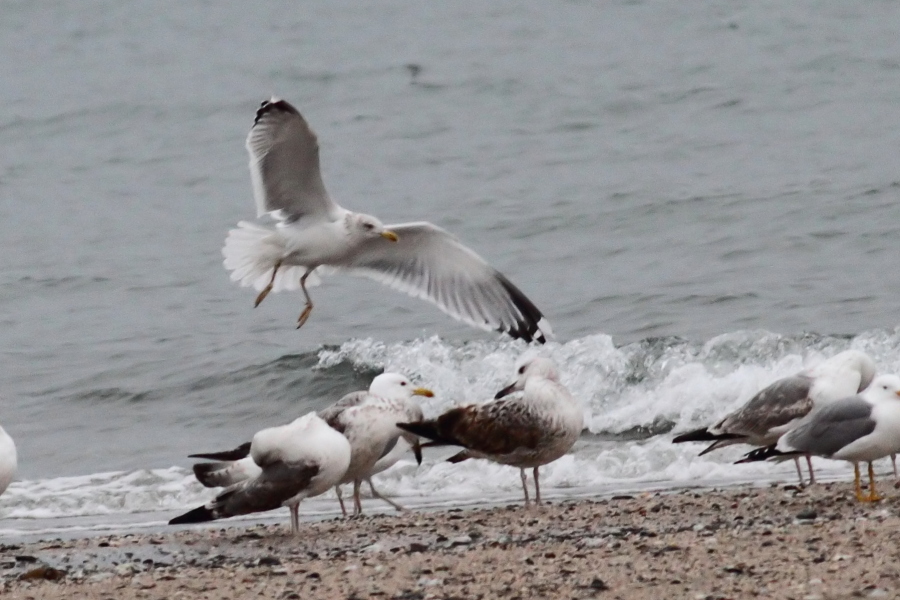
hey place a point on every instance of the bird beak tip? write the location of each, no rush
(423, 392)
(505, 391)
(390, 235)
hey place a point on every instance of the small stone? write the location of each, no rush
(460, 541)
(598, 584)
(807, 514)
(267, 561)
(417, 547)
(43, 572)
(126, 570)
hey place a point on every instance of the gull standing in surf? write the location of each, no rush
(369, 421)
(295, 461)
(366, 418)
(525, 432)
(861, 428)
(312, 233)
(779, 407)
(8, 460)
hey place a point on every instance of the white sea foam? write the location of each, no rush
(633, 396)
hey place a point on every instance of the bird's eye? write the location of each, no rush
(521, 369)
(369, 226)
(402, 383)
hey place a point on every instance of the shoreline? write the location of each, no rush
(738, 542)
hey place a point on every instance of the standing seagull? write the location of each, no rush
(8, 462)
(366, 418)
(312, 231)
(860, 428)
(526, 432)
(369, 421)
(295, 461)
(779, 407)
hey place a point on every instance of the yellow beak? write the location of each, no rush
(897, 392)
(389, 235)
(423, 392)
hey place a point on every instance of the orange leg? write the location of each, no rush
(873, 493)
(268, 288)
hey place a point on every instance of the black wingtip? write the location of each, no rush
(697, 435)
(424, 429)
(242, 451)
(528, 326)
(272, 105)
(761, 454)
(198, 515)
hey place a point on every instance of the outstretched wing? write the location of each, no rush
(429, 263)
(284, 165)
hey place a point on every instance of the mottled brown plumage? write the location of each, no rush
(526, 432)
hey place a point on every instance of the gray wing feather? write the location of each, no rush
(429, 263)
(775, 405)
(331, 414)
(390, 446)
(278, 483)
(284, 164)
(833, 427)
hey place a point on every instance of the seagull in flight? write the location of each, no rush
(312, 234)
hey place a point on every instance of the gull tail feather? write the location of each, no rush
(224, 474)
(428, 429)
(201, 514)
(251, 252)
(238, 453)
(766, 453)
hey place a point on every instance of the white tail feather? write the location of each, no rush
(251, 252)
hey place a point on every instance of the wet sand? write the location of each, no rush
(773, 542)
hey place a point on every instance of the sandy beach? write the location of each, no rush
(773, 542)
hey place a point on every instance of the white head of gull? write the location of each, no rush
(313, 234)
(369, 421)
(526, 432)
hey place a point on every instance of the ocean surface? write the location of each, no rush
(701, 197)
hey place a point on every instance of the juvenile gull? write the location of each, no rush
(369, 421)
(312, 231)
(861, 428)
(366, 418)
(8, 462)
(296, 461)
(526, 432)
(779, 407)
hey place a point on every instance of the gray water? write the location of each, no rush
(644, 170)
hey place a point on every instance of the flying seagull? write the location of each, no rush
(312, 233)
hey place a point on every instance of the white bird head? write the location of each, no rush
(528, 367)
(884, 387)
(370, 227)
(846, 363)
(395, 386)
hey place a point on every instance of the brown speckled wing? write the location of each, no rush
(495, 428)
